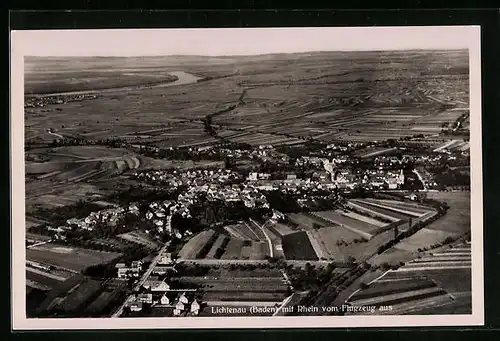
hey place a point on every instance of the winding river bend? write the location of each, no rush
(183, 78)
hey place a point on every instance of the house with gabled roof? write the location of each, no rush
(161, 286)
(180, 306)
(183, 299)
(163, 269)
(195, 307)
(164, 300)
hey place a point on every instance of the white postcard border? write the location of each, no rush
(469, 34)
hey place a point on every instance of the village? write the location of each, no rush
(232, 189)
(155, 291)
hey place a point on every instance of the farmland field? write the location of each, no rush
(243, 296)
(327, 241)
(396, 206)
(240, 231)
(307, 222)
(412, 207)
(245, 249)
(331, 90)
(298, 246)
(140, 238)
(237, 286)
(217, 248)
(281, 229)
(237, 273)
(35, 279)
(198, 245)
(392, 256)
(365, 250)
(383, 211)
(337, 217)
(71, 258)
(457, 219)
(439, 279)
(191, 102)
(240, 284)
(423, 238)
(454, 281)
(233, 249)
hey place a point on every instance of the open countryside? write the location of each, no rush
(202, 186)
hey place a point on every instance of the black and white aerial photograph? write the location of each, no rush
(260, 174)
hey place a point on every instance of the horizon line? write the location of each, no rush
(249, 55)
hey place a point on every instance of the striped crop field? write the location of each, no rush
(239, 231)
(245, 231)
(365, 209)
(364, 218)
(339, 218)
(396, 216)
(218, 247)
(413, 207)
(394, 206)
(441, 278)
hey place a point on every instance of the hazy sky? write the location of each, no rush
(246, 41)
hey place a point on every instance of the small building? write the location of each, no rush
(164, 300)
(150, 284)
(253, 176)
(145, 298)
(137, 265)
(127, 272)
(160, 287)
(179, 306)
(165, 259)
(183, 299)
(195, 307)
(162, 269)
(135, 306)
(177, 312)
(264, 176)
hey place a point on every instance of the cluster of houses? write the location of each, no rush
(254, 176)
(109, 216)
(156, 291)
(46, 100)
(250, 196)
(132, 271)
(383, 179)
(195, 177)
(385, 161)
(182, 303)
(267, 153)
(160, 213)
(164, 266)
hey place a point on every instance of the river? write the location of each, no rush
(183, 78)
